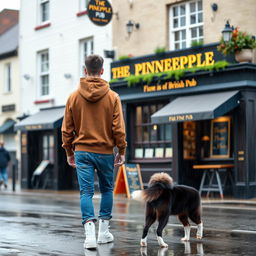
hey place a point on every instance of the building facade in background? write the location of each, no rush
(55, 37)
(175, 24)
(9, 80)
(177, 119)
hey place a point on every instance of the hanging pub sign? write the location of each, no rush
(100, 12)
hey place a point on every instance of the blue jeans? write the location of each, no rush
(86, 164)
(4, 175)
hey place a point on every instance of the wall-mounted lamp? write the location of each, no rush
(130, 26)
(214, 7)
(227, 32)
(130, 3)
(27, 76)
(67, 76)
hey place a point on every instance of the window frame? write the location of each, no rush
(187, 27)
(154, 144)
(82, 53)
(82, 5)
(43, 73)
(40, 10)
(8, 77)
(49, 148)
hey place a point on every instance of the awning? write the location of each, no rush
(46, 119)
(197, 107)
(7, 127)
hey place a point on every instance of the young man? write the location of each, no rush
(93, 125)
(4, 160)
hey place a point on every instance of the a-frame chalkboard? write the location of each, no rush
(128, 180)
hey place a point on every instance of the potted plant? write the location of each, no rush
(160, 50)
(241, 44)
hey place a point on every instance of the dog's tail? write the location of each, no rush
(137, 195)
(149, 194)
(158, 183)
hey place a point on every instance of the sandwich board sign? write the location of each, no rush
(128, 180)
(100, 12)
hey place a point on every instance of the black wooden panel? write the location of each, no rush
(251, 139)
(239, 141)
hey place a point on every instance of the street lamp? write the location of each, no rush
(227, 32)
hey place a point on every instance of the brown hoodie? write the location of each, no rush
(93, 119)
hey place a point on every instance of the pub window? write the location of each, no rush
(44, 11)
(151, 140)
(7, 78)
(186, 24)
(48, 148)
(220, 137)
(83, 4)
(86, 48)
(189, 140)
(44, 75)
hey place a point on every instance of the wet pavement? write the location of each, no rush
(35, 223)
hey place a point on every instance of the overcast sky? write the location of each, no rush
(9, 4)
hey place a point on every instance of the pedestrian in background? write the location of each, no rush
(4, 160)
(93, 125)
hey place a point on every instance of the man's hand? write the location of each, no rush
(71, 161)
(119, 160)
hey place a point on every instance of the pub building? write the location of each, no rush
(203, 122)
(204, 117)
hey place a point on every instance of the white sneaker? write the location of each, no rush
(104, 236)
(90, 237)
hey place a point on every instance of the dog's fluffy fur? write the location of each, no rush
(164, 199)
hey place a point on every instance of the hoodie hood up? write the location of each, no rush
(93, 88)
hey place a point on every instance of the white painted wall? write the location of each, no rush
(62, 39)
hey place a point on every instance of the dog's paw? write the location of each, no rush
(185, 239)
(143, 242)
(164, 245)
(199, 237)
(161, 242)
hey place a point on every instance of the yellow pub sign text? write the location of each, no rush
(170, 85)
(165, 65)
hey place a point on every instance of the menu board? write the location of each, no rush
(128, 180)
(220, 137)
(133, 176)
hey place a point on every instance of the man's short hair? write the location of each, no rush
(94, 64)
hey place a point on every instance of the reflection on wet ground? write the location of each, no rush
(32, 226)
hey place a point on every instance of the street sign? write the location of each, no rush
(100, 12)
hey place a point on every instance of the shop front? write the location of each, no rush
(189, 108)
(43, 160)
